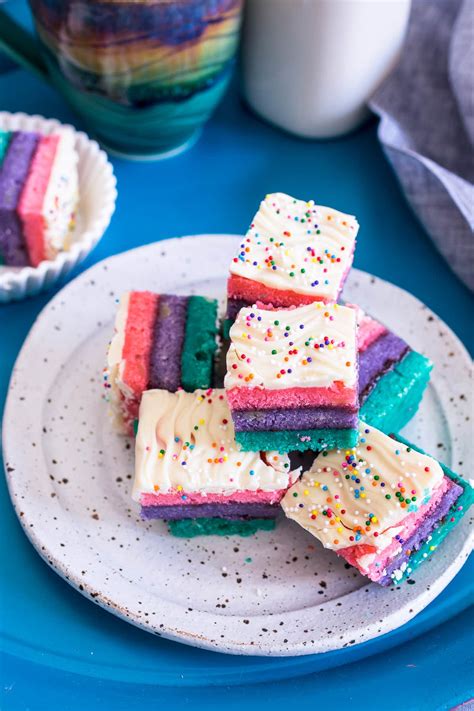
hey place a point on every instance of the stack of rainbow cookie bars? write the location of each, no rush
(38, 195)
(304, 372)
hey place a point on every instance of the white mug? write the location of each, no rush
(309, 66)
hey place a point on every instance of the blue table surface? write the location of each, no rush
(215, 187)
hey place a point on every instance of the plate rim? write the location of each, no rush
(170, 632)
(267, 669)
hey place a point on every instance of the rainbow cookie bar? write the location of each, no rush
(291, 378)
(383, 506)
(160, 341)
(38, 195)
(189, 468)
(294, 253)
(392, 377)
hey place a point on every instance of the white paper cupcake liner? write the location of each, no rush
(97, 196)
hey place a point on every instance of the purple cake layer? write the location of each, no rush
(232, 510)
(234, 306)
(378, 358)
(309, 418)
(168, 338)
(13, 174)
(423, 531)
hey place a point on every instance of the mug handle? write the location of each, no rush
(21, 46)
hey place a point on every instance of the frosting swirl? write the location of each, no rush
(308, 346)
(185, 442)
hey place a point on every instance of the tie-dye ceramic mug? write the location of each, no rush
(144, 75)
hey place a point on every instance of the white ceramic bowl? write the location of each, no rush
(97, 196)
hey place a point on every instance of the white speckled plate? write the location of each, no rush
(69, 475)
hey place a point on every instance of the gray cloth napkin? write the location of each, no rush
(427, 125)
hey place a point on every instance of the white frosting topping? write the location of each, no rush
(61, 198)
(297, 245)
(360, 496)
(308, 346)
(116, 388)
(187, 440)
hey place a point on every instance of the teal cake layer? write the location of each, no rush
(397, 395)
(462, 505)
(4, 141)
(226, 326)
(190, 528)
(200, 344)
(297, 440)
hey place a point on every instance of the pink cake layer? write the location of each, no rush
(259, 398)
(374, 571)
(138, 341)
(368, 332)
(239, 287)
(139, 326)
(30, 206)
(241, 497)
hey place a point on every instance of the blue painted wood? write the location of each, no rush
(431, 673)
(214, 188)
